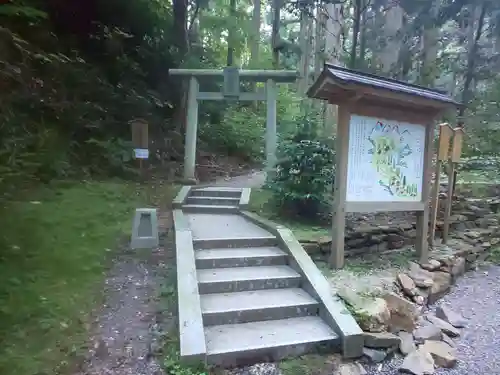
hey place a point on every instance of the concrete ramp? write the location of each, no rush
(248, 292)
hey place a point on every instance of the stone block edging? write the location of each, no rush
(245, 198)
(181, 197)
(189, 305)
(332, 310)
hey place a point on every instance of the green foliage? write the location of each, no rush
(303, 176)
(15, 8)
(53, 252)
(238, 129)
(239, 133)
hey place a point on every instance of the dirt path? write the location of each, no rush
(254, 179)
(126, 329)
(477, 297)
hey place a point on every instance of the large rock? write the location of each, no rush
(403, 313)
(427, 331)
(445, 327)
(371, 313)
(441, 285)
(421, 277)
(458, 268)
(448, 315)
(419, 362)
(353, 368)
(381, 340)
(446, 339)
(407, 285)
(431, 265)
(374, 355)
(407, 345)
(443, 354)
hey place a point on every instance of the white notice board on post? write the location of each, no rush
(385, 161)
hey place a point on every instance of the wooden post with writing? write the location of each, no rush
(445, 134)
(456, 153)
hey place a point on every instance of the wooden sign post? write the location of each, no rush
(456, 153)
(445, 134)
(140, 141)
(384, 148)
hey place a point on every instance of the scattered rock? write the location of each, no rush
(442, 283)
(458, 268)
(403, 313)
(427, 331)
(406, 284)
(421, 277)
(374, 355)
(257, 369)
(455, 319)
(407, 345)
(445, 327)
(431, 265)
(382, 340)
(418, 362)
(101, 349)
(353, 368)
(371, 313)
(448, 340)
(443, 354)
(473, 234)
(419, 300)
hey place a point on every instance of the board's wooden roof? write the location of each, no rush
(337, 84)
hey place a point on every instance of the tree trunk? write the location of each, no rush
(179, 28)
(430, 48)
(276, 5)
(362, 35)
(392, 28)
(333, 51)
(478, 19)
(255, 35)
(355, 33)
(305, 33)
(230, 33)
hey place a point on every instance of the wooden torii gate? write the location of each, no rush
(230, 91)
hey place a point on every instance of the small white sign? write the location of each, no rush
(141, 153)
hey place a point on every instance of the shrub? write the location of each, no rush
(304, 175)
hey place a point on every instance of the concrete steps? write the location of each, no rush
(216, 192)
(257, 305)
(252, 300)
(253, 294)
(213, 201)
(240, 257)
(209, 208)
(239, 279)
(237, 344)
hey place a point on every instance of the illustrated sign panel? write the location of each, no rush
(385, 161)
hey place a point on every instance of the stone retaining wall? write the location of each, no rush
(473, 220)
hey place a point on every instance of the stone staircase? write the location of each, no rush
(255, 301)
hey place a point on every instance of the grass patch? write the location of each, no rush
(495, 256)
(312, 364)
(261, 204)
(53, 255)
(368, 263)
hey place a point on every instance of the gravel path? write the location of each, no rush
(477, 297)
(254, 179)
